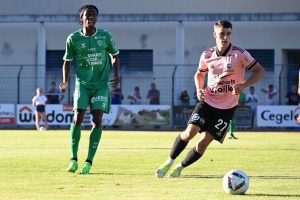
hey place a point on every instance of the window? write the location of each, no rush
(54, 60)
(136, 60)
(130, 60)
(264, 57)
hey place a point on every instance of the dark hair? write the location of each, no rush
(84, 8)
(136, 88)
(251, 87)
(271, 85)
(223, 23)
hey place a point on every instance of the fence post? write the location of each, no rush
(19, 83)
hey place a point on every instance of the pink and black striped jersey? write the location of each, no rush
(223, 72)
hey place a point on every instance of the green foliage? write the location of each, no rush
(33, 166)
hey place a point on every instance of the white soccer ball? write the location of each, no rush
(42, 128)
(235, 182)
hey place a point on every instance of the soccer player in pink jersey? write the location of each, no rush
(225, 64)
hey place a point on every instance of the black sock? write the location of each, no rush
(178, 146)
(191, 157)
(74, 159)
(89, 161)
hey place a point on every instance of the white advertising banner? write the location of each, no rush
(119, 115)
(60, 114)
(7, 113)
(278, 116)
(138, 115)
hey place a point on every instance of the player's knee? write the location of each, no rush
(78, 117)
(189, 133)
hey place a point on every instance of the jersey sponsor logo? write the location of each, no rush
(92, 49)
(99, 98)
(99, 42)
(196, 117)
(225, 86)
(94, 59)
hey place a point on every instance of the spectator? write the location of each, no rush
(252, 101)
(292, 97)
(153, 95)
(271, 95)
(54, 96)
(116, 96)
(184, 98)
(136, 96)
(39, 102)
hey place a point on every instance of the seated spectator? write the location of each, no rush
(271, 95)
(116, 96)
(53, 95)
(292, 97)
(135, 97)
(184, 98)
(153, 95)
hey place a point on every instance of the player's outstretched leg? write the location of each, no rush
(176, 171)
(190, 158)
(162, 170)
(178, 146)
(73, 166)
(86, 168)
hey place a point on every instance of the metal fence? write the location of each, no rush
(18, 83)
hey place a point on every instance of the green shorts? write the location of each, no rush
(98, 99)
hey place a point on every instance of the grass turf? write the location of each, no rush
(33, 166)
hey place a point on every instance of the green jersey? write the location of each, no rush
(92, 59)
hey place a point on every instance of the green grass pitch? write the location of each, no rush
(33, 163)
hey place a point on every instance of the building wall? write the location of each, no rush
(18, 44)
(146, 6)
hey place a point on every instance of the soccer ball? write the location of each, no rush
(235, 182)
(42, 128)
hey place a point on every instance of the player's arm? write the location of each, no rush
(258, 73)
(199, 83)
(66, 72)
(34, 103)
(116, 66)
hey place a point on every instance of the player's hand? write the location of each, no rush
(63, 86)
(115, 82)
(237, 89)
(201, 94)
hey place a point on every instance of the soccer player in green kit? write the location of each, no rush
(91, 47)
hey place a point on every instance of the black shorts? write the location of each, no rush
(213, 120)
(40, 108)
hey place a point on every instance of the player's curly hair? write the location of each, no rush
(84, 8)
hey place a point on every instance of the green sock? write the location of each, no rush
(75, 134)
(231, 127)
(94, 142)
(232, 124)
